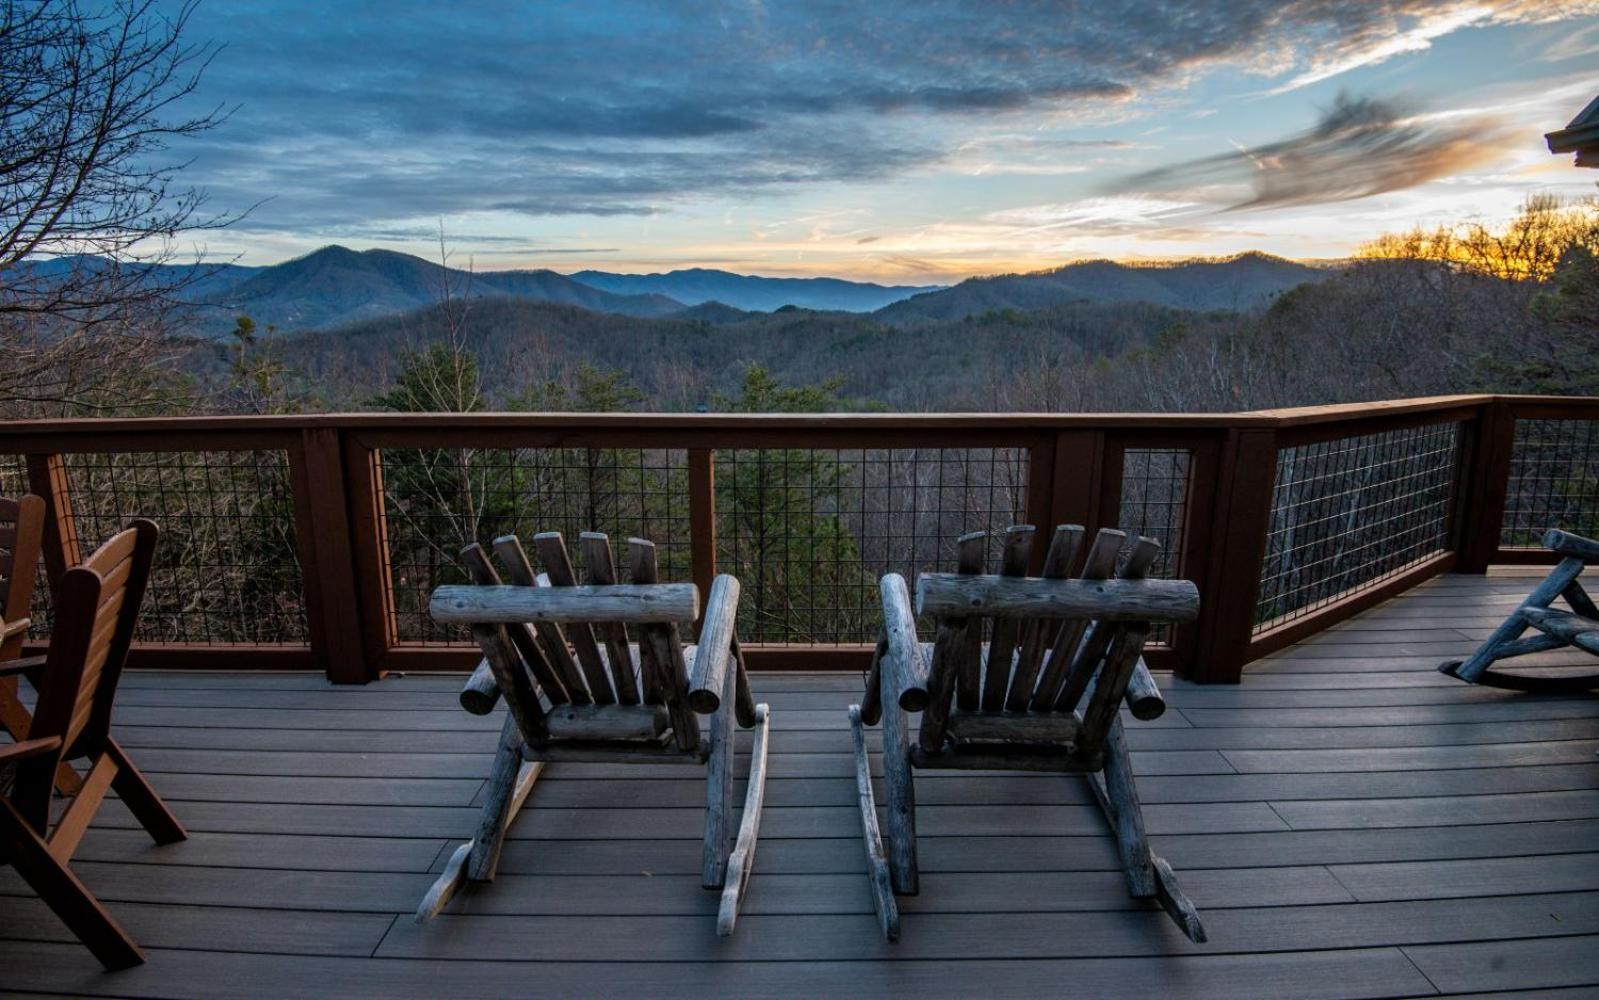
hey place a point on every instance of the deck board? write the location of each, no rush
(1350, 822)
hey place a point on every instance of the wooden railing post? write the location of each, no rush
(322, 532)
(1484, 460)
(1240, 520)
(47, 477)
(1078, 474)
(702, 516)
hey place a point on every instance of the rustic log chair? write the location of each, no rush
(592, 706)
(1042, 695)
(96, 608)
(1578, 627)
(21, 539)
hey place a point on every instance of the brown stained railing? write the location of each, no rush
(313, 541)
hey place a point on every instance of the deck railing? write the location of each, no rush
(306, 542)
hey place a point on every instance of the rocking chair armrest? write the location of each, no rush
(904, 669)
(1572, 546)
(28, 748)
(715, 648)
(14, 627)
(1143, 695)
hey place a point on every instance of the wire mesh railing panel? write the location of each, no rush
(1352, 512)
(1554, 481)
(809, 532)
(1155, 503)
(227, 569)
(438, 501)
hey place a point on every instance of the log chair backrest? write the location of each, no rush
(1052, 639)
(96, 610)
(572, 635)
(21, 538)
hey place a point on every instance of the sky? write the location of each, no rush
(902, 141)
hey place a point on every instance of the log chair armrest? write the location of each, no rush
(28, 748)
(904, 670)
(715, 648)
(1570, 545)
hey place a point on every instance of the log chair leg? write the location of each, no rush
(742, 860)
(141, 799)
(719, 791)
(877, 872)
(510, 781)
(63, 893)
(900, 786)
(1148, 874)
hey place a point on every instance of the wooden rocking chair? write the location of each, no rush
(1043, 694)
(97, 606)
(560, 654)
(1578, 627)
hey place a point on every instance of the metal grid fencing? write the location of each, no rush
(809, 532)
(227, 568)
(1554, 481)
(1154, 502)
(1352, 512)
(438, 501)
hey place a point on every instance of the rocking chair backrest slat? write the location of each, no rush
(660, 650)
(521, 635)
(1039, 634)
(1096, 644)
(971, 552)
(1015, 554)
(552, 638)
(552, 553)
(602, 571)
(1099, 564)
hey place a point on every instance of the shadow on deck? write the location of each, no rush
(1350, 822)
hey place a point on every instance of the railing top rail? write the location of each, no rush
(734, 422)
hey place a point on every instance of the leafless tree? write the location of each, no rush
(90, 205)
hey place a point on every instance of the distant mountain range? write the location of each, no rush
(755, 294)
(1248, 281)
(338, 287)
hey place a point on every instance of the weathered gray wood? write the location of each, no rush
(971, 556)
(1003, 757)
(1117, 600)
(743, 696)
(445, 886)
(654, 675)
(623, 602)
(1175, 903)
(1039, 635)
(742, 860)
(480, 693)
(1058, 686)
(510, 780)
(949, 660)
(1566, 626)
(1570, 545)
(521, 636)
(714, 651)
(662, 656)
(872, 696)
(903, 667)
(1542, 595)
(608, 722)
(1015, 553)
(513, 681)
(876, 864)
(611, 752)
(1143, 696)
(719, 785)
(1014, 727)
(558, 565)
(1110, 687)
(552, 638)
(900, 786)
(602, 572)
(1117, 794)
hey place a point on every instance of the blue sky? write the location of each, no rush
(910, 141)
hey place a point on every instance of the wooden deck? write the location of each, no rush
(1350, 822)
